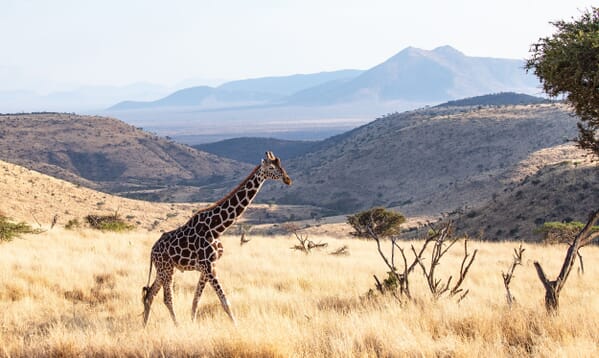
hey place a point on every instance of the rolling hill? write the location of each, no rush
(504, 168)
(564, 188)
(36, 198)
(426, 161)
(109, 155)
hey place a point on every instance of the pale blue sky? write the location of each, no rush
(60, 44)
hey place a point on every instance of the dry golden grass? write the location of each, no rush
(65, 293)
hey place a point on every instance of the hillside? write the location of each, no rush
(564, 189)
(250, 149)
(36, 198)
(109, 155)
(33, 197)
(426, 161)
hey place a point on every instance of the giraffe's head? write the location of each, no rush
(272, 169)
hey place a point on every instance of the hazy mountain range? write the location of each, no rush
(411, 75)
(306, 106)
(266, 90)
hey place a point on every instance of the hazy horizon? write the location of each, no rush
(65, 45)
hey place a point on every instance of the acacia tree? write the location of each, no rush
(567, 63)
(382, 222)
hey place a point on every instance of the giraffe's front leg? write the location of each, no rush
(221, 294)
(198, 294)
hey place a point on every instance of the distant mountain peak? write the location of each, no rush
(445, 50)
(448, 51)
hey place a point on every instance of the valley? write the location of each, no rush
(499, 168)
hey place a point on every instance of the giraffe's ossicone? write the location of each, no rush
(196, 246)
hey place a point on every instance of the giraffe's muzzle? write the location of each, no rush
(287, 180)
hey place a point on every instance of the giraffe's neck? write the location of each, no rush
(220, 216)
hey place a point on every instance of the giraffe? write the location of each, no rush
(196, 246)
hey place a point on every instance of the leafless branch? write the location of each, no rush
(54, 221)
(507, 277)
(443, 240)
(34, 218)
(464, 267)
(305, 245)
(242, 230)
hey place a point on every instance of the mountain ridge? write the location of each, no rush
(412, 74)
(240, 92)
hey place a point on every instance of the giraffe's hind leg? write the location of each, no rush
(198, 294)
(148, 296)
(221, 294)
(167, 289)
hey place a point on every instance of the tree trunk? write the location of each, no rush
(553, 288)
(551, 299)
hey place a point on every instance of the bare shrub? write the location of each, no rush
(384, 223)
(443, 239)
(305, 245)
(507, 276)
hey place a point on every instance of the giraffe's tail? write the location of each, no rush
(146, 289)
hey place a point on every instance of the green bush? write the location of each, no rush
(381, 221)
(108, 223)
(10, 230)
(560, 232)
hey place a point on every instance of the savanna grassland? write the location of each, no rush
(78, 293)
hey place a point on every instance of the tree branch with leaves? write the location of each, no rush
(567, 63)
